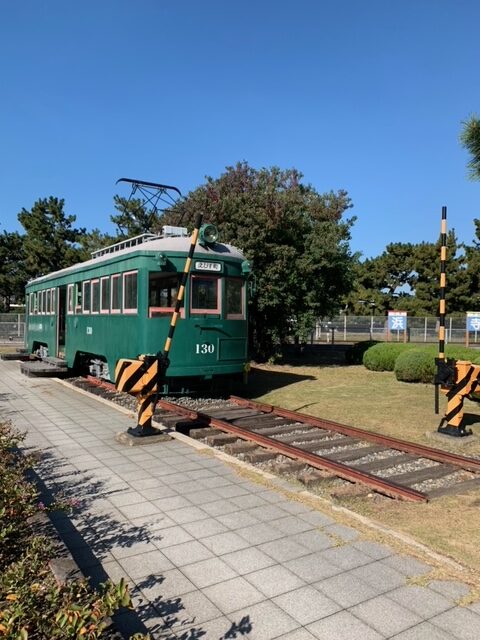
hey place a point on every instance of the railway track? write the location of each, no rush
(261, 432)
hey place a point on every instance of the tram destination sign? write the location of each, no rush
(216, 267)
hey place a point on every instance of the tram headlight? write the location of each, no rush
(246, 267)
(208, 234)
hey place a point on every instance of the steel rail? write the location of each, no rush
(343, 471)
(469, 464)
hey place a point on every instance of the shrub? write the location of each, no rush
(418, 364)
(355, 354)
(382, 356)
(415, 365)
(33, 605)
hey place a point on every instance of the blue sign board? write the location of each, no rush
(473, 322)
(397, 321)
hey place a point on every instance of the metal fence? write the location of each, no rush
(12, 327)
(347, 328)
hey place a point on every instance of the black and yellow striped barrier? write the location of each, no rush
(144, 376)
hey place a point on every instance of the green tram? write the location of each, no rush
(119, 305)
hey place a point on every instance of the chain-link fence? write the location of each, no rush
(347, 328)
(12, 327)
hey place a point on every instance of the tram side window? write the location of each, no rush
(41, 308)
(162, 292)
(86, 297)
(116, 294)
(130, 292)
(104, 295)
(70, 299)
(47, 301)
(53, 308)
(234, 299)
(33, 303)
(205, 296)
(95, 296)
(77, 297)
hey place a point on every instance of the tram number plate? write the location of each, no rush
(204, 348)
(208, 266)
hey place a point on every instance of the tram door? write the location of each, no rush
(62, 309)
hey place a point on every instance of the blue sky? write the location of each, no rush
(367, 96)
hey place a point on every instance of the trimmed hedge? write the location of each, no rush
(382, 356)
(418, 364)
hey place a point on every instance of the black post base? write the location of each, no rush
(142, 432)
(456, 432)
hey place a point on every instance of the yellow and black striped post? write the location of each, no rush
(144, 376)
(456, 379)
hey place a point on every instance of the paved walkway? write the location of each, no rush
(208, 553)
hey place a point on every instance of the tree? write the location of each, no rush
(93, 240)
(13, 276)
(133, 219)
(295, 237)
(470, 138)
(50, 242)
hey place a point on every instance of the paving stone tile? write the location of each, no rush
(407, 565)
(138, 510)
(248, 560)
(214, 629)
(267, 512)
(346, 589)
(171, 536)
(145, 564)
(306, 604)
(160, 491)
(317, 518)
(449, 588)
(385, 616)
(258, 533)
(380, 576)
(421, 600)
(312, 567)
(249, 501)
(237, 520)
(266, 621)
(187, 553)
(208, 572)
(351, 628)
(346, 557)
(169, 584)
(347, 534)
(188, 610)
(204, 528)
(123, 498)
(460, 622)
(314, 540)
(225, 542)
(284, 549)
(233, 594)
(373, 549)
(219, 507)
(232, 491)
(424, 631)
(292, 524)
(187, 514)
(124, 550)
(298, 634)
(155, 522)
(202, 497)
(171, 503)
(274, 580)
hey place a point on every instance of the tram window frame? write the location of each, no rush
(48, 296)
(125, 292)
(235, 315)
(42, 303)
(70, 299)
(32, 305)
(53, 309)
(86, 291)
(116, 288)
(77, 297)
(95, 296)
(105, 294)
(172, 283)
(206, 311)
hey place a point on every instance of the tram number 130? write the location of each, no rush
(204, 348)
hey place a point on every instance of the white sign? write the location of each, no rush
(208, 266)
(397, 320)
